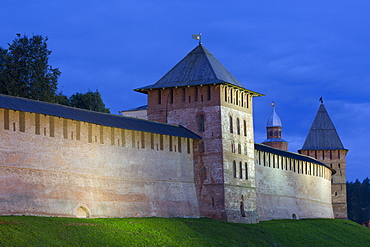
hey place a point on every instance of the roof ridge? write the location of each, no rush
(205, 51)
(198, 67)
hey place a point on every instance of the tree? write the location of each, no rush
(358, 201)
(25, 72)
(90, 101)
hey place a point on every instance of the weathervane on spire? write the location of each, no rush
(197, 37)
(322, 102)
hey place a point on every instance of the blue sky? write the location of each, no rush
(293, 51)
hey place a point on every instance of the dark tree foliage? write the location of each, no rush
(25, 72)
(358, 201)
(90, 101)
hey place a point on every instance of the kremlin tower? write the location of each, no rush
(274, 130)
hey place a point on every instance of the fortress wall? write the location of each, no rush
(62, 167)
(207, 157)
(288, 188)
(238, 158)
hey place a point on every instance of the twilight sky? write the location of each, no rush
(292, 51)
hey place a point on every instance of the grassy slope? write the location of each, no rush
(40, 231)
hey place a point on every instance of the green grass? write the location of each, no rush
(43, 231)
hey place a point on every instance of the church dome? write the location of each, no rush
(274, 119)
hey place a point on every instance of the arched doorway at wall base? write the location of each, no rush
(82, 212)
(294, 216)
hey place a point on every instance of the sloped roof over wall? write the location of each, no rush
(322, 135)
(27, 105)
(199, 67)
(139, 108)
(291, 155)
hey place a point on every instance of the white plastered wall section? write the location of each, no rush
(284, 194)
(239, 189)
(43, 175)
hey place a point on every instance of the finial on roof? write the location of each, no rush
(197, 37)
(274, 119)
(322, 102)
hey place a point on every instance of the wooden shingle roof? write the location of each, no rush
(199, 67)
(322, 135)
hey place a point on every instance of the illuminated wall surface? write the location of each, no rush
(195, 157)
(79, 169)
(291, 188)
(65, 176)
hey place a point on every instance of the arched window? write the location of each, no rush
(239, 149)
(236, 97)
(209, 92)
(271, 133)
(201, 123)
(234, 169)
(183, 94)
(226, 94)
(238, 126)
(159, 97)
(203, 173)
(242, 103)
(201, 147)
(171, 96)
(242, 212)
(240, 170)
(245, 127)
(231, 95)
(232, 147)
(246, 170)
(231, 124)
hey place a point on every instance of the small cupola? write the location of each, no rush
(274, 119)
(274, 131)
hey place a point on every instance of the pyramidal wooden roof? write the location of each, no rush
(322, 135)
(199, 67)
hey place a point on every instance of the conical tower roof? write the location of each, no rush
(199, 67)
(322, 135)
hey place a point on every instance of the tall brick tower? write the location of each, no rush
(201, 95)
(324, 144)
(274, 129)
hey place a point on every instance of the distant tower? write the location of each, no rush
(273, 129)
(324, 144)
